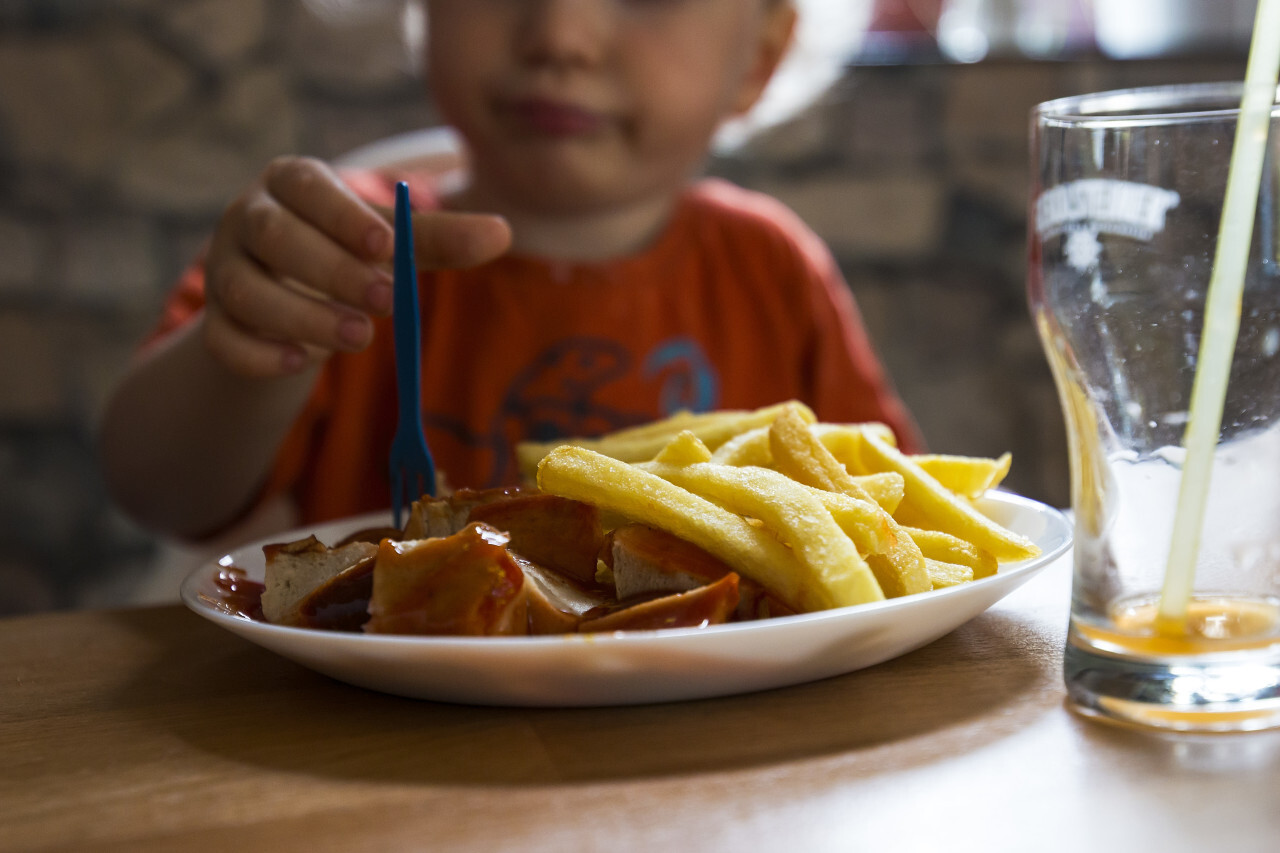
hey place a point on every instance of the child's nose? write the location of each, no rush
(566, 31)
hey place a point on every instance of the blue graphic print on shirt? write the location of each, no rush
(688, 380)
(556, 396)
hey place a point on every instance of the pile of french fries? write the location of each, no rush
(823, 515)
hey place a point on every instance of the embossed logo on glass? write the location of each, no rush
(1086, 208)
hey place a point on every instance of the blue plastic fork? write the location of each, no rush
(413, 471)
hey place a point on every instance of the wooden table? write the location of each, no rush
(152, 729)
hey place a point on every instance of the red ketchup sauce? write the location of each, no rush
(237, 595)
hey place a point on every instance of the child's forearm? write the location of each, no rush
(186, 444)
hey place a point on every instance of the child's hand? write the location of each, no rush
(298, 264)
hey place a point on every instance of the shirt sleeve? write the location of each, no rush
(847, 381)
(843, 378)
(181, 306)
(847, 372)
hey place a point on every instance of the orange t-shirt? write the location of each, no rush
(736, 305)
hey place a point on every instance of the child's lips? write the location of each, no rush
(553, 118)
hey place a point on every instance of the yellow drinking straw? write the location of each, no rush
(1222, 315)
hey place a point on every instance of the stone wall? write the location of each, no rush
(126, 125)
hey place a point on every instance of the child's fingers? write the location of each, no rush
(310, 188)
(447, 240)
(458, 240)
(250, 356)
(290, 247)
(269, 309)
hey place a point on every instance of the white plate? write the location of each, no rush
(627, 668)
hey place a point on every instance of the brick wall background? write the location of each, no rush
(126, 125)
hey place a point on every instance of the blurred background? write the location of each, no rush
(898, 131)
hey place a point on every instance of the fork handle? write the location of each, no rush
(408, 344)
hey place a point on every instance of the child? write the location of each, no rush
(610, 288)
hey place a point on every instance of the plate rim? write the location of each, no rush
(1007, 573)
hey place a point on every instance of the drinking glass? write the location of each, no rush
(1126, 199)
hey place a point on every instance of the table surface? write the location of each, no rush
(153, 729)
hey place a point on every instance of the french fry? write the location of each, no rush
(750, 447)
(892, 555)
(886, 488)
(719, 427)
(872, 530)
(936, 545)
(798, 453)
(969, 476)
(629, 491)
(835, 575)
(930, 505)
(843, 439)
(824, 515)
(685, 449)
(947, 574)
(641, 443)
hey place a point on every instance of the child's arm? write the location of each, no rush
(186, 443)
(190, 433)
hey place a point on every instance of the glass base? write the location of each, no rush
(1225, 692)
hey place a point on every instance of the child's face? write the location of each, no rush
(573, 106)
